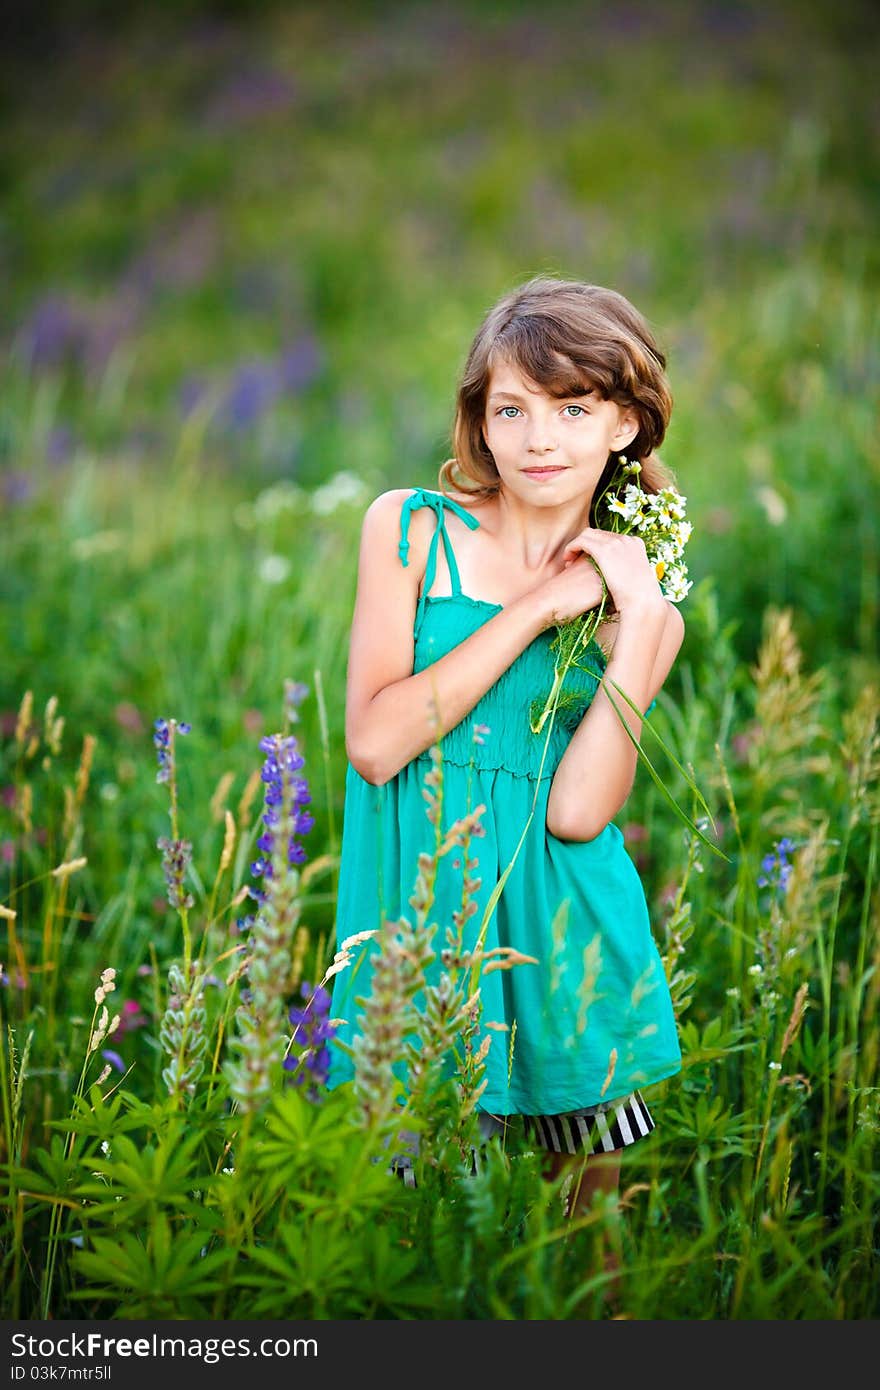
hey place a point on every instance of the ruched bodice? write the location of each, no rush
(506, 709)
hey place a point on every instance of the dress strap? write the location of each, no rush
(421, 497)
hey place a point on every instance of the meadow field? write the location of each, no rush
(243, 253)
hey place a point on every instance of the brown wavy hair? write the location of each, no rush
(566, 336)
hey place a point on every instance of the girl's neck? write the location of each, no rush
(537, 535)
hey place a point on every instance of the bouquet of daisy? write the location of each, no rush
(659, 518)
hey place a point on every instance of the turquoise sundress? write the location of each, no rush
(593, 1018)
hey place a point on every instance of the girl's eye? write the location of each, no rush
(507, 407)
(579, 408)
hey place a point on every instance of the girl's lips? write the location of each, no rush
(542, 472)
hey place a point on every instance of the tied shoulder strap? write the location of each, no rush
(437, 502)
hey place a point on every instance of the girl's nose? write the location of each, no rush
(542, 437)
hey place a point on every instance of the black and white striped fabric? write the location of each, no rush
(595, 1129)
(612, 1124)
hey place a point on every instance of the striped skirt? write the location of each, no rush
(612, 1124)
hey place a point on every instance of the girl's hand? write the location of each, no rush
(572, 592)
(630, 576)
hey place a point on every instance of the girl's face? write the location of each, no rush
(550, 450)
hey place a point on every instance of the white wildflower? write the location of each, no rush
(273, 569)
(659, 518)
(775, 508)
(675, 586)
(283, 496)
(342, 488)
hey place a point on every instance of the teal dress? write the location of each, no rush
(593, 1018)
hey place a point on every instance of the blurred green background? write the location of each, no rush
(244, 249)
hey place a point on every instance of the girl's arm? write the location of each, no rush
(596, 773)
(390, 714)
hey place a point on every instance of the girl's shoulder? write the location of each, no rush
(387, 507)
(390, 529)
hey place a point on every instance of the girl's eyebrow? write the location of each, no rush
(509, 395)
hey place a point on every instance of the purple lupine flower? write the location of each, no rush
(300, 363)
(281, 756)
(294, 694)
(272, 928)
(56, 329)
(253, 389)
(250, 95)
(776, 866)
(162, 741)
(309, 1059)
(113, 1058)
(60, 445)
(17, 487)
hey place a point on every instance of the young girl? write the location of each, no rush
(459, 594)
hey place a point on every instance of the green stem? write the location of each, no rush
(855, 1008)
(826, 960)
(58, 1211)
(682, 816)
(6, 1083)
(328, 791)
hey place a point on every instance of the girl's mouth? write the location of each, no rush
(548, 472)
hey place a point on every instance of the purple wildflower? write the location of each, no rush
(294, 694)
(301, 363)
(113, 1058)
(309, 1060)
(271, 930)
(281, 757)
(254, 387)
(162, 740)
(55, 331)
(17, 487)
(776, 866)
(59, 445)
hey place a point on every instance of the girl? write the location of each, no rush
(459, 593)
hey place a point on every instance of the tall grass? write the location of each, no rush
(129, 1195)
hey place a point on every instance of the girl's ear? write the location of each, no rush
(627, 429)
